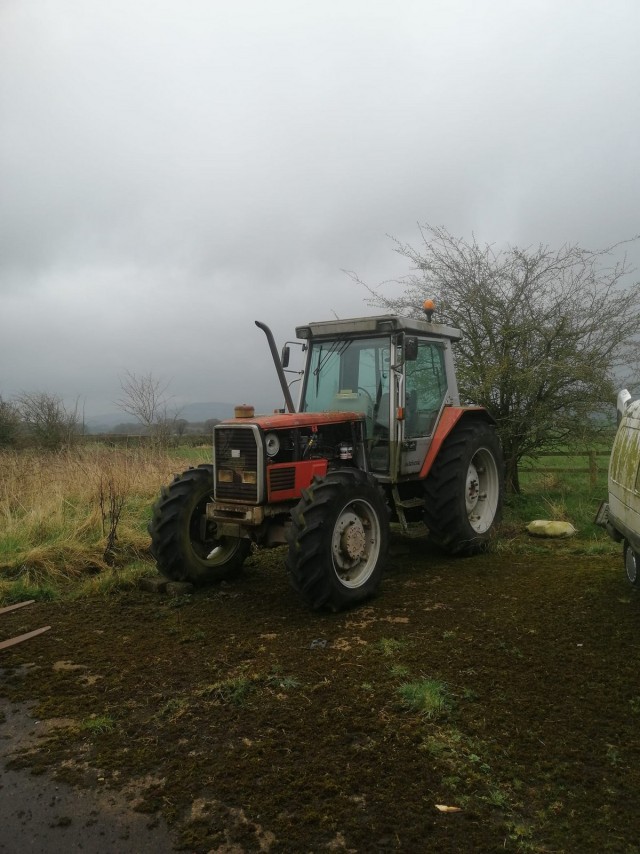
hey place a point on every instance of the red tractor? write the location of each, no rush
(379, 437)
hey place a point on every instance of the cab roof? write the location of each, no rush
(383, 324)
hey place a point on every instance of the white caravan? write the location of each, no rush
(621, 514)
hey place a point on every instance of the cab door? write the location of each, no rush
(425, 393)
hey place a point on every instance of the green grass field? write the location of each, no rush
(75, 522)
(563, 488)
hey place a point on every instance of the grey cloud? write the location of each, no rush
(171, 171)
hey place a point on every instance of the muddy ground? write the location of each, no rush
(236, 721)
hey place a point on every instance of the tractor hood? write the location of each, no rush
(283, 420)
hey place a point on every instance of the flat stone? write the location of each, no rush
(179, 588)
(154, 584)
(549, 528)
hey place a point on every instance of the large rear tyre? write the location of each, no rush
(338, 540)
(464, 489)
(183, 542)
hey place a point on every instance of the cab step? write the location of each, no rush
(407, 503)
(416, 531)
(402, 504)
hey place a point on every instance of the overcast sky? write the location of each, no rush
(172, 170)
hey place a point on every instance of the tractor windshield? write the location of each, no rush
(350, 375)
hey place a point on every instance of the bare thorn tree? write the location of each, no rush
(48, 423)
(548, 333)
(144, 397)
(111, 499)
(9, 423)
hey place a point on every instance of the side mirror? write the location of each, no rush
(286, 352)
(410, 349)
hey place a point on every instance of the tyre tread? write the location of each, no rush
(307, 556)
(448, 526)
(166, 529)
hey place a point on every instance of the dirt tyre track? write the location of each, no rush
(339, 540)
(463, 492)
(184, 545)
(527, 643)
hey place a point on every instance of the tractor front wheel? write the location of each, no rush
(183, 541)
(464, 489)
(338, 540)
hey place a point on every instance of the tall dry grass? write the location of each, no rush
(63, 515)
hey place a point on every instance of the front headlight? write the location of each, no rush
(272, 444)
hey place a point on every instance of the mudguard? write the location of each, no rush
(451, 415)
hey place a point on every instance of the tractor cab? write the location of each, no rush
(397, 371)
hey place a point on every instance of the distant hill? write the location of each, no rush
(204, 411)
(195, 412)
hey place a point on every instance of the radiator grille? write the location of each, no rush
(236, 452)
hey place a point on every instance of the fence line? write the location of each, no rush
(591, 469)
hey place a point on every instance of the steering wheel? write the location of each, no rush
(367, 393)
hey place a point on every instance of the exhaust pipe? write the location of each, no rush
(279, 369)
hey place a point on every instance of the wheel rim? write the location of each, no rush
(482, 490)
(355, 543)
(222, 551)
(204, 544)
(631, 565)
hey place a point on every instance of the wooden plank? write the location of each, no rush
(19, 638)
(8, 608)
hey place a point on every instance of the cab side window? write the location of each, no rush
(425, 389)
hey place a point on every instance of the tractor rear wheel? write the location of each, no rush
(464, 489)
(183, 542)
(338, 540)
